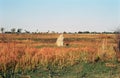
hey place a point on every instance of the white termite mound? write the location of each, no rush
(59, 41)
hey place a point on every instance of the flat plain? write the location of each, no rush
(36, 55)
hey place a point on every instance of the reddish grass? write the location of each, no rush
(24, 56)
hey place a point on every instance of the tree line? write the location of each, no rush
(13, 30)
(19, 30)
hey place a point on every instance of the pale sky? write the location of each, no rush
(60, 15)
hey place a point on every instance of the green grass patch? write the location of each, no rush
(81, 70)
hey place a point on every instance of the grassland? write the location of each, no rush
(36, 55)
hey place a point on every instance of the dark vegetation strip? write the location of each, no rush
(52, 40)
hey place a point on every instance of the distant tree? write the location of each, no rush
(64, 32)
(19, 31)
(80, 32)
(7, 32)
(75, 32)
(37, 31)
(27, 31)
(94, 32)
(48, 31)
(116, 32)
(69, 32)
(3, 38)
(2, 30)
(13, 30)
(53, 32)
(86, 32)
(106, 32)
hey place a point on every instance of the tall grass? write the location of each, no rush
(117, 47)
(20, 58)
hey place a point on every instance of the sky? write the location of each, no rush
(60, 15)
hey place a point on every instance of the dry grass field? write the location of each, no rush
(86, 56)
